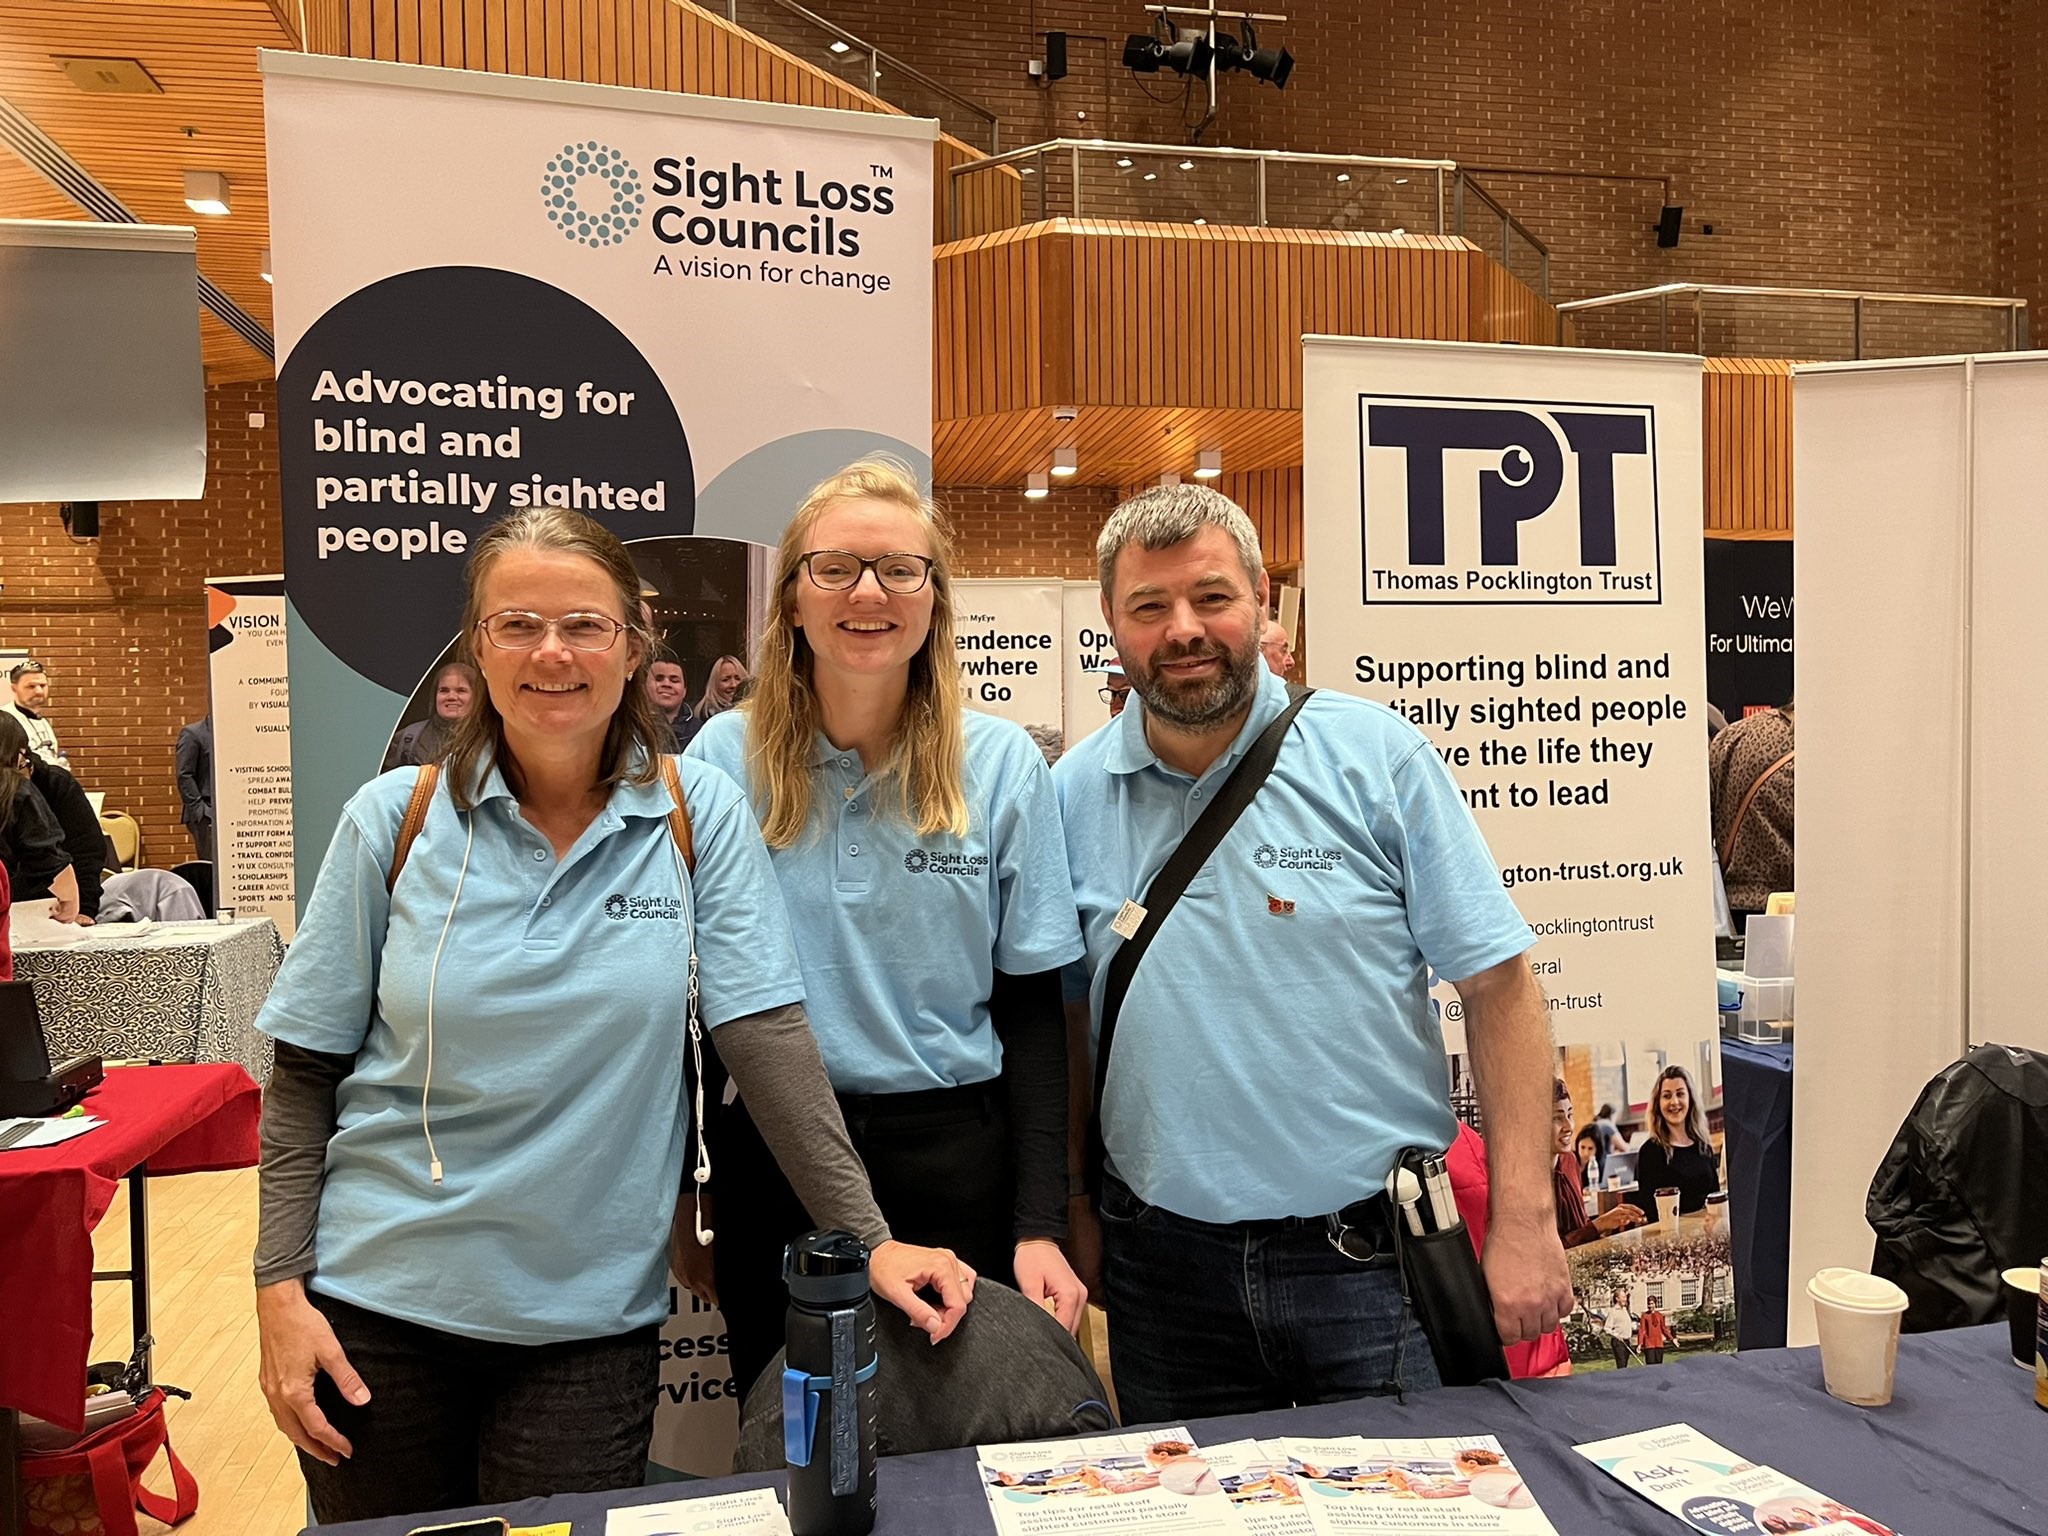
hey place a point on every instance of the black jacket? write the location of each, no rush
(195, 773)
(1963, 1192)
(85, 840)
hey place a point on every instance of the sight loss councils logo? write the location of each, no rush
(1467, 500)
(1265, 855)
(573, 192)
(917, 861)
(920, 861)
(615, 906)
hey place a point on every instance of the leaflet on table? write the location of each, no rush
(1151, 1482)
(1370, 1487)
(1711, 1488)
(1256, 1480)
(753, 1513)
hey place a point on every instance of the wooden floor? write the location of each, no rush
(202, 1232)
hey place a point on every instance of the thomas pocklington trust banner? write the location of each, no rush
(1502, 544)
(675, 313)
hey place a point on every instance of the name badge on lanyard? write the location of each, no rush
(1126, 923)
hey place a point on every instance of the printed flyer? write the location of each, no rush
(1151, 1482)
(1256, 1480)
(1360, 1487)
(1712, 1489)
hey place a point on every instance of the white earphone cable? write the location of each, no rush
(433, 979)
(701, 1174)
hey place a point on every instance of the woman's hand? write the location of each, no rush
(1620, 1219)
(296, 1343)
(1044, 1275)
(898, 1271)
(689, 1260)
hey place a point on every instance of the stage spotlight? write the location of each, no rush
(1272, 65)
(1147, 53)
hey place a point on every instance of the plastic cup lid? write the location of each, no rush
(1854, 1291)
(2022, 1279)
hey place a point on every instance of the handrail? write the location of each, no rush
(875, 55)
(1449, 220)
(1857, 298)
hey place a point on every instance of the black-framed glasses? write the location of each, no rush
(835, 570)
(513, 629)
(1110, 695)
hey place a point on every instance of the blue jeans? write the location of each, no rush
(1207, 1320)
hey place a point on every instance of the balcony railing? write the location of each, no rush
(1164, 183)
(1809, 324)
(815, 40)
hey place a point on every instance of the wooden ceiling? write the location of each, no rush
(208, 117)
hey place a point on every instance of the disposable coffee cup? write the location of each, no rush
(224, 915)
(2022, 1289)
(1717, 1210)
(1859, 1317)
(1667, 1207)
(1614, 1181)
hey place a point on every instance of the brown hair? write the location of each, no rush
(928, 757)
(633, 743)
(1695, 1113)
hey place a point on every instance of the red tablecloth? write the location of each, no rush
(170, 1119)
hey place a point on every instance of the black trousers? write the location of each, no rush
(940, 1163)
(453, 1421)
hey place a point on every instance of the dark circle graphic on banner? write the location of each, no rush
(418, 411)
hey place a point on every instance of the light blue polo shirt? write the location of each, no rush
(557, 1101)
(1271, 1060)
(900, 935)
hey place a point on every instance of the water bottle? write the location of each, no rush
(828, 1386)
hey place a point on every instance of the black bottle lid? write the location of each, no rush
(826, 1268)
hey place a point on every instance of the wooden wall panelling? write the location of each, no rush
(1746, 422)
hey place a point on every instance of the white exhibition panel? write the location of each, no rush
(2008, 725)
(1881, 581)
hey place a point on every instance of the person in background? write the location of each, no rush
(1587, 1150)
(30, 684)
(1226, 1289)
(1678, 1151)
(456, 691)
(1749, 771)
(195, 784)
(722, 687)
(1569, 1186)
(670, 691)
(1116, 688)
(917, 846)
(1653, 1335)
(31, 839)
(1619, 1324)
(1608, 1135)
(1276, 648)
(461, 1273)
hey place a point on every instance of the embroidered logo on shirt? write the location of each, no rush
(668, 909)
(1267, 856)
(966, 866)
(1279, 906)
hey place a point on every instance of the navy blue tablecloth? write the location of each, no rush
(1756, 1102)
(1961, 1450)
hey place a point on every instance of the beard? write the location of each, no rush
(1196, 704)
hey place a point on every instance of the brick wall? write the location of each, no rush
(1855, 144)
(2024, 256)
(120, 620)
(997, 532)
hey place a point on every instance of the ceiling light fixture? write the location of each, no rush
(1151, 175)
(1065, 461)
(1123, 162)
(1210, 464)
(1168, 480)
(1037, 488)
(1187, 165)
(206, 192)
(266, 265)
(1343, 175)
(840, 47)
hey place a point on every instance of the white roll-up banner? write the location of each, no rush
(1089, 647)
(250, 702)
(1010, 636)
(676, 313)
(1502, 544)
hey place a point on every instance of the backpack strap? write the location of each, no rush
(1742, 810)
(415, 818)
(679, 818)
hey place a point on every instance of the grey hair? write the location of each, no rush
(1167, 515)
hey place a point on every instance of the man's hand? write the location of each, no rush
(689, 1260)
(295, 1343)
(1043, 1275)
(1528, 1277)
(898, 1271)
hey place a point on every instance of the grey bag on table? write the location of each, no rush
(1008, 1372)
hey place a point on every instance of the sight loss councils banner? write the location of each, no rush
(1502, 544)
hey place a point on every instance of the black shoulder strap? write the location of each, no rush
(1202, 839)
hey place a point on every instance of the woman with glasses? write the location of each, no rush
(919, 852)
(475, 1135)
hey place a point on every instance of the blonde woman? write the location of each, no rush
(919, 852)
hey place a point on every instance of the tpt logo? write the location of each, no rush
(591, 194)
(1508, 501)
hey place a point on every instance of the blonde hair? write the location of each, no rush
(634, 740)
(927, 758)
